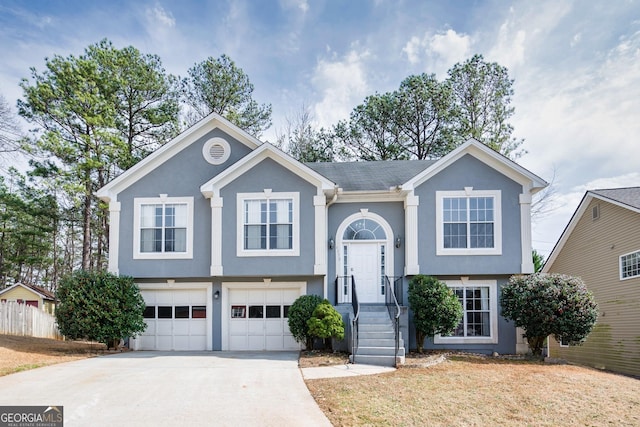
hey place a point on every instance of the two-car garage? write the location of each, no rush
(245, 316)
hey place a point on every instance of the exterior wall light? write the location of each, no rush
(398, 242)
(331, 243)
(216, 295)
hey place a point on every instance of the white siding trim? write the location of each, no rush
(411, 204)
(137, 203)
(114, 236)
(527, 266)
(216, 235)
(320, 208)
(497, 222)
(493, 316)
(267, 194)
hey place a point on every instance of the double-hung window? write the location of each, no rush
(268, 224)
(468, 222)
(480, 313)
(163, 227)
(630, 265)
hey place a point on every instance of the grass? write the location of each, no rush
(473, 391)
(19, 353)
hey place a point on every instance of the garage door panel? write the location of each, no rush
(265, 327)
(171, 326)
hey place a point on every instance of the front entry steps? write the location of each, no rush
(376, 338)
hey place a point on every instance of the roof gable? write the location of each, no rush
(263, 152)
(171, 148)
(381, 175)
(628, 198)
(486, 155)
(42, 293)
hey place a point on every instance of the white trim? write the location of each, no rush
(492, 158)
(389, 242)
(411, 246)
(526, 266)
(497, 222)
(320, 211)
(493, 314)
(254, 158)
(171, 148)
(21, 285)
(265, 284)
(620, 265)
(217, 204)
(226, 150)
(137, 203)
(573, 222)
(172, 285)
(114, 236)
(266, 195)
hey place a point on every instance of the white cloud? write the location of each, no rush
(160, 16)
(301, 5)
(342, 84)
(439, 51)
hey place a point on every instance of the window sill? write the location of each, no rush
(464, 340)
(163, 255)
(472, 252)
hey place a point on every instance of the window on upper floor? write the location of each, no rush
(480, 313)
(163, 227)
(468, 222)
(630, 265)
(268, 224)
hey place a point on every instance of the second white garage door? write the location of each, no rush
(257, 319)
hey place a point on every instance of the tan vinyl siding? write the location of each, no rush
(23, 294)
(592, 252)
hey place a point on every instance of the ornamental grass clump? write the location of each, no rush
(549, 304)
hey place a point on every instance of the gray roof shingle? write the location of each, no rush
(629, 196)
(371, 176)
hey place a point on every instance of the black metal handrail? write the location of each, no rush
(394, 312)
(354, 323)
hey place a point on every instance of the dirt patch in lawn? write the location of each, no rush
(472, 391)
(315, 358)
(22, 353)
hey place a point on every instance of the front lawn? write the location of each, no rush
(475, 391)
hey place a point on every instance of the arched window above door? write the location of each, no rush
(364, 229)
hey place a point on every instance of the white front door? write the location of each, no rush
(364, 265)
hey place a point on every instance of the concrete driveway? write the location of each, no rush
(171, 389)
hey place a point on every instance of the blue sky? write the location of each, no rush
(576, 64)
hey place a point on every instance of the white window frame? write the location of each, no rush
(162, 199)
(620, 265)
(467, 193)
(267, 195)
(493, 314)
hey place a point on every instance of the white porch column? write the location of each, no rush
(320, 211)
(525, 232)
(216, 235)
(114, 235)
(411, 234)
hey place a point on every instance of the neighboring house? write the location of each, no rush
(601, 244)
(30, 295)
(222, 233)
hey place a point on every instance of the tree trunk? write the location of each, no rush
(536, 344)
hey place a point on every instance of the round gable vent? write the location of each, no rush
(216, 151)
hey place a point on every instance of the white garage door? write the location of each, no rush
(176, 320)
(258, 319)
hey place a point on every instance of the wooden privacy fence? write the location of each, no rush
(23, 319)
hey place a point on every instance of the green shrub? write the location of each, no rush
(99, 306)
(549, 304)
(299, 314)
(436, 308)
(326, 322)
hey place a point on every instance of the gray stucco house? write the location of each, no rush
(222, 232)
